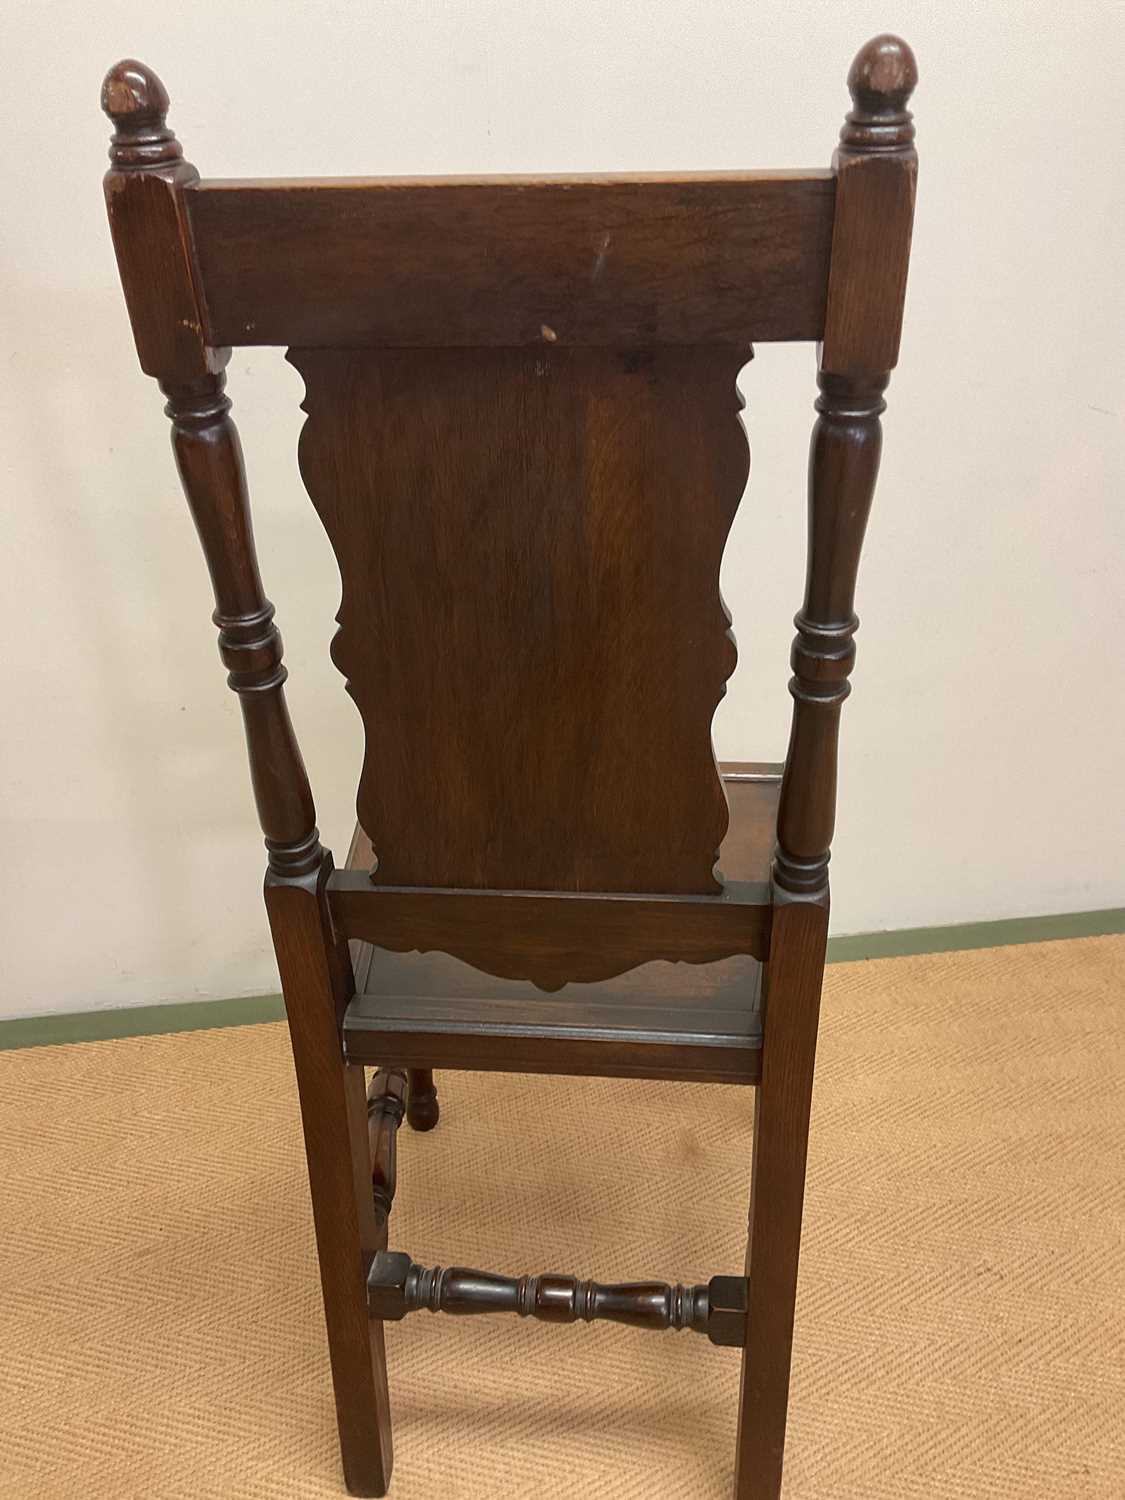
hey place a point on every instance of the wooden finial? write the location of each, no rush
(137, 103)
(881, 81)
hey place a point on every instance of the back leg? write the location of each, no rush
(777, 1190)
(315, 976)
(422, 1110)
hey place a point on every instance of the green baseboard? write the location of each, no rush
(138, 1020)
(251, 1010)
(966, 935)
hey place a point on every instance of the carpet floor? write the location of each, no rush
(961, 1318)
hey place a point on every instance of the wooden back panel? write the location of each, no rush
(523, 442)
(531, 624)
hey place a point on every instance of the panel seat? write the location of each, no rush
(661, 1020)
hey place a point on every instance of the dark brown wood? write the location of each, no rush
(397, 1286)
(871, 244)
(777, 1188)
(315, 979)
(587, 495)
(524, 442)
(752, 789)
(422, 1108)
(209, 458)
(843, 464)
(877, 165)
(144, 196)
(752, 792)
(550, 937)
(876, 170)
(404, 984)
(611, 261)
(386, 1107)
(631, 1035)
(359, 857)
(410, 977)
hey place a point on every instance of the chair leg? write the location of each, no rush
(314, 977)
(781, 1126)
(422, 1109)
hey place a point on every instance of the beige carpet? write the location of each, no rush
(961, 1325)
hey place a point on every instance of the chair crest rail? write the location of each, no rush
(596, 261)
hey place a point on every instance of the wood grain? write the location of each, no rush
(316, 981)
(876, 170)
(698, 1040)
(144, 194)
(398, 1286)
(777, 1191)
(144, 198)
(209, 458)
(535, 942)
(523, 441)
(843, 466)
(530, 544)
(551, 937)
(871, 248)
(505, 262)
(752, 790)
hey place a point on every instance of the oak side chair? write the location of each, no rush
(523, 440)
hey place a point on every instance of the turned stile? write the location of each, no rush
(209, 459)
(875, 167)
(144, 191)
(843, 464)
(146, 181)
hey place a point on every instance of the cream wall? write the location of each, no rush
(982, 757)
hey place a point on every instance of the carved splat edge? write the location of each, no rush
(743, 472)
(553, 938)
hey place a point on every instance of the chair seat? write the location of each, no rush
(660, 1020)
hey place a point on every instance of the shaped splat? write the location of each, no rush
(529, 542)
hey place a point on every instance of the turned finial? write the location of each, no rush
(137, 103)
(881, 81)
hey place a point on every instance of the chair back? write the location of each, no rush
(523, 440)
